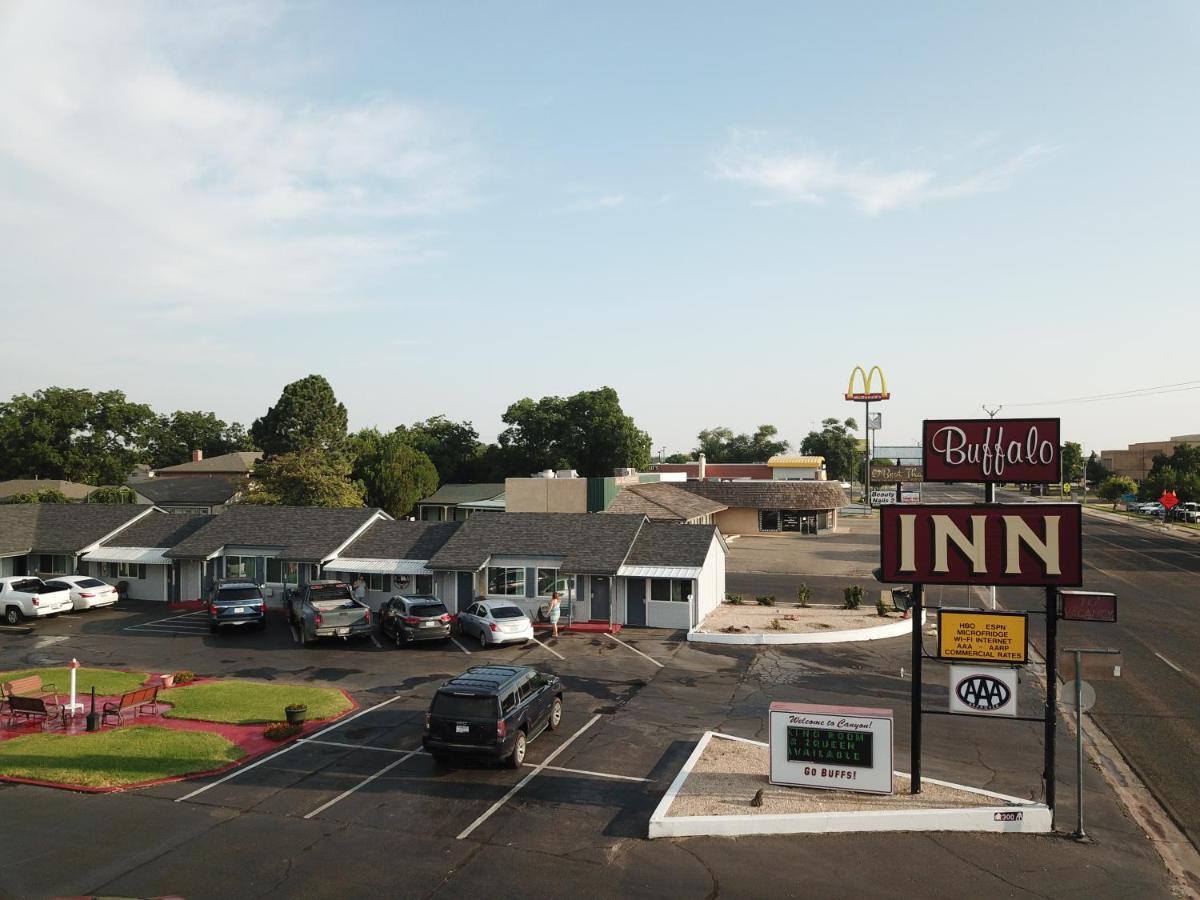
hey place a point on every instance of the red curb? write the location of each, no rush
(266, 747)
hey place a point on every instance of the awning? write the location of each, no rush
(659, 571)
(151, 556)
(378, 566)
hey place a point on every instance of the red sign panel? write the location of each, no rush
(1169, 500)
(1017, 544)
(981, 450)
(1088, 606)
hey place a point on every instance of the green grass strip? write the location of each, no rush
(113, 758)
(106, 681)
(248, 702)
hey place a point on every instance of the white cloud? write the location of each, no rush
(589, 202)
(815, 177)
(127, 176)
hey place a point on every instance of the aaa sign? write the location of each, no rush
(1034, 545)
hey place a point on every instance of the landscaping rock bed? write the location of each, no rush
(750, 618)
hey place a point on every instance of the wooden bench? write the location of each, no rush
(30, 686)
(134, 700)
(31, 708)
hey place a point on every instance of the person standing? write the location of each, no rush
(360, 589)
(555, 612)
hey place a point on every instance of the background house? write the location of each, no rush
(456, 502)
(72, 490)
(666, 502)
(228, 465)
(189, 495)
(756, 507)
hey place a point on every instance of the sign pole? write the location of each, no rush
(1079, 833)
(1051, 694)
(918, 613)
(867, 470)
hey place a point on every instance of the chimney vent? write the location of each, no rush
(197, 455)
(702, 468)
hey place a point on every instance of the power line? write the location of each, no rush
(1120, 395)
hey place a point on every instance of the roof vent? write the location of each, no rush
(566, 473)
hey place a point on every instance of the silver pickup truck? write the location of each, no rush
(328, 609)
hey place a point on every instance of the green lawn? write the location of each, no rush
(247, 702)
(112, 758)
(107, 681)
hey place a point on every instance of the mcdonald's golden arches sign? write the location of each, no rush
(867, 381)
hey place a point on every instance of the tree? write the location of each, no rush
(588, 432)
(117, 494)
(307, 417)
(453, 447)
(676, 458)
(74, 434)
(1115, 487)
(720, 444)
(174, 437)
(1095, 471)
(304, 478)
(395, 474)
(46, 495)
(1072, 462)
(1179, 472)
(837, 443)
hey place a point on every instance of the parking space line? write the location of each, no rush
(460, 646)
(528, 778)
(352, 746)
(238, 771)
(635, 650)
(295, 633)
(362, 784)
(593, 774)
(375, 641)
(544, 647)
(1168, 662)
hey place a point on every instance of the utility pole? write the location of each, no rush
(989, 496)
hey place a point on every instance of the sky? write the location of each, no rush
(717, 209)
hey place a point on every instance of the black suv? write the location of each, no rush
(492, 711)
(236, 601)
(420, 618)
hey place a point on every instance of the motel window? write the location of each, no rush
(53, 564)
(768, 520)
(507, 582)
(377, 582)
(549, 581)
(281, 572)
(240, 567)
(670, 590)
(431, 513)
(423, 584)
(108, 570)
(131, 570)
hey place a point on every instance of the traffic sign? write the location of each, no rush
(1169, 500)
(1087, 696)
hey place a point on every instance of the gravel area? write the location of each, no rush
(751, 618)
(729, 773)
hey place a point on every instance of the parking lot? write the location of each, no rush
(356, 809)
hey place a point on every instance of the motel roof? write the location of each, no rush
(299, 533)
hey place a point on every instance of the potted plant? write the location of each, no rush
(167, 680)
(296, 713)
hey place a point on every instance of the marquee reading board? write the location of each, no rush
(979, 636)
(843, 748)
(1088, 606)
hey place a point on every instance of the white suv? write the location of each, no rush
(22, 596)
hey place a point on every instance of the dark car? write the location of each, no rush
(236, 601)
(409, 619)
(493, 712)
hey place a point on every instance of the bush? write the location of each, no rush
(776, 625)
(880, 609)
(183, 676)
(803, 592)
(281, 731)
(853, 595)
(734, 599)
(296, 707)
(767, 600)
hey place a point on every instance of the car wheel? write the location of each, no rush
(12, 615)
(516, 759)
(555, 715)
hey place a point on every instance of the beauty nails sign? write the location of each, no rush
(983, 450)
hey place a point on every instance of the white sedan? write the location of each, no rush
(86, 593)
(496, 622)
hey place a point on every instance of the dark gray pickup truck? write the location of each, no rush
(328, 609)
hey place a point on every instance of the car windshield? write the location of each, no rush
(429, 609)
(464, 706)
(507, 612)
(89, 583)
(234, 595)
(30, 586)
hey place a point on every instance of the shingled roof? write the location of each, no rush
(663, 502)
(806, 495)
(72, 490)
(203, 489)
(237, 463)
(585, 542)
(299, 533)
(61, 527)
(663, 544)
(389, 539)
(453, 494)
(159, 529)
